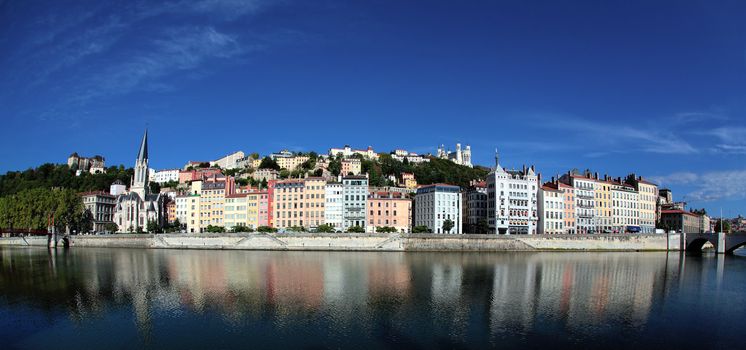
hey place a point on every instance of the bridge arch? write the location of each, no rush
(731, 249)
(696, 245)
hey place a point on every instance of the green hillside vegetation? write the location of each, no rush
(61, 176)
(435, 171)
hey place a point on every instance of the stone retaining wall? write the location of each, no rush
(369, 242)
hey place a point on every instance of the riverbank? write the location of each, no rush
(369, 242)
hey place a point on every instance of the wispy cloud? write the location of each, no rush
(732, 139)
(177, 50)
(84, 55)
(619, 138)
(693, 117)
(708, 186)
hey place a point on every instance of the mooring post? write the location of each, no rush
(682, 241)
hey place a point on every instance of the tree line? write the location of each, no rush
(35, 209)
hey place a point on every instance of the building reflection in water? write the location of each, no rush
(374, 293)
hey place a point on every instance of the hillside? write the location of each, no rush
(60, 175)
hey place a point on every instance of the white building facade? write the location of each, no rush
(334, 205)
(230, 161)
(163, 176)
(625, 211)
(435, 204)
(355, 192)
(512, 200)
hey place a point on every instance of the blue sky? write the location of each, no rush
(652, 87)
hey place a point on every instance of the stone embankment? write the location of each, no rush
(369, 242)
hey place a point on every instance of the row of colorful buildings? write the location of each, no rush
(507, 201)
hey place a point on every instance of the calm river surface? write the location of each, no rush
(89, 298)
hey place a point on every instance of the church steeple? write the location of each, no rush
(142, 154)
(141, 180)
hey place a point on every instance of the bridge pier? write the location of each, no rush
(682, 242)
(721, 243)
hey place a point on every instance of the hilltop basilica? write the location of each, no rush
(137, 206)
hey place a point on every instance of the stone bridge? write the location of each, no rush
(723, 243)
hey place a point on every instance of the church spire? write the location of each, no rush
(142, 154)
(140, 182)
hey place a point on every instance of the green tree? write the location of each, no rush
(215, 229)
(447, 225)
(355, 229)
(482, 226)
(325, 228)
(155, 187)
(153, 227)
(111, 227)
(296, 229)
(170, 184)
(386, 229)
(241, 228)
(266, 229)
(268, 163)
(335, 165)
(722, 226)
(420, 229)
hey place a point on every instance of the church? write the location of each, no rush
(137, 206)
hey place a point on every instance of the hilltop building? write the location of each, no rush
(347, 152)
(229, 161)
(93, 165)
(460, 157)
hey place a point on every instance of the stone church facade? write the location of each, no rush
(137, 206)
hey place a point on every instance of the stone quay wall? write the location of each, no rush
(369, 242)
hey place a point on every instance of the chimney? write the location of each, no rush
(595, 175)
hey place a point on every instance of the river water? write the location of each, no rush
(90, 298)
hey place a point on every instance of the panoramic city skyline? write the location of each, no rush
(635, 87)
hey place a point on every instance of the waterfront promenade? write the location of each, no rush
(369, 242)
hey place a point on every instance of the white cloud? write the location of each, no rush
(709, 186)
